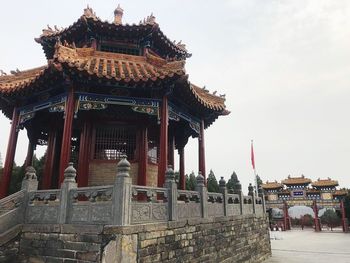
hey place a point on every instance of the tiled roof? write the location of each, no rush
(296, 180)
(340, 192)
(325, 182)
(20, 79)
(207, 99)
(119, 66)
(90, 22)
(271, 185)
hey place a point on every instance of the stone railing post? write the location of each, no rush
(223, 190)
(69, 183)
(261, 194)
(200, 187)
(241, 201)
(122, 194)
(171, 185)
(30, 181)
(254, 202)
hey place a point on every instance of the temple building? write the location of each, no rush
(108, 89)
(297, 191)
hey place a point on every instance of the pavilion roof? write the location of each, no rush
(108, 66)
(296, 180)
(325, 182)
(271, 185)
(90, 24)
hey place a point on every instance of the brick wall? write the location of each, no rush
(104, 173)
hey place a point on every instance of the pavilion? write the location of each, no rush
(108, 89)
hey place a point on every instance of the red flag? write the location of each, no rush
(252, 155)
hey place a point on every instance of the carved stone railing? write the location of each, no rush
(90, 205)
(43, 206)
(11, 211)
(149, 204)
(121, 203)
(188, 204)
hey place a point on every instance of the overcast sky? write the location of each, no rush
(284, 66)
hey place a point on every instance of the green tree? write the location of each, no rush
(233, 184)
(191, 181)
(16, 178)
(212, 183)
(330, 218)
(258, 180)
(39, 165)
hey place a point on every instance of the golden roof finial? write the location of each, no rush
(118, 15)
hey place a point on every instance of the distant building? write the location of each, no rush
(297, 191)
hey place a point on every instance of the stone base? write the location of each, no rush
(224, 239)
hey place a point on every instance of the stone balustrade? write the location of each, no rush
(122, 203)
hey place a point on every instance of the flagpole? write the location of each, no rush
(253, 164)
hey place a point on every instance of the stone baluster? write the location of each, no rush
(171, 185)
(251, 193)
(122, 194)
(200, 187)
(223, 190)
(69, 183)
(238, 190)
(30, 181)
(261, 194)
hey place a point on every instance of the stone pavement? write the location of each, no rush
(307, 246)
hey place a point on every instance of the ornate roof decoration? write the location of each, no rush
(340, 192)
(271, 185)
(208, 100)
(89, 23)
(296, 180)
(118, 66)
(20, 79)
(325, 183)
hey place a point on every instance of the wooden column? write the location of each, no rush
(316, 219)
(10, 155)
(171, 151)
(50, 159)
(182, 168)
(143, 157)
(201, 151)
(163, 156)
(67, 135)
(30, 153)
(84, 155)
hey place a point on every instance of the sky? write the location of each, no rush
(283, 65)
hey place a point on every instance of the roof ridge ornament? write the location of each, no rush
(89, 12)
(118, 15)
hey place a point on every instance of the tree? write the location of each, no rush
(330, 218)
(212, 183)
(191, 181)
(258, 181)
(233, 184)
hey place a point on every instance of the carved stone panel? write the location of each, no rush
(215, 209)
(148, 212)
(79, 213)
(101, 213)
(247, 209)
(233, 209)
(42, 214)
(188, 210)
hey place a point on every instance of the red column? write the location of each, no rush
(182, 168)
(316, 219)
(10, 155)
(201, 151)
(343, 217)
(67, 135)
(84, 155)
(30, 152)
(163, 155)
(171, 156)
(50, 159)
(286, 217)
(143, 157)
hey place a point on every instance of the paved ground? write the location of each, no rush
(306, 246)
